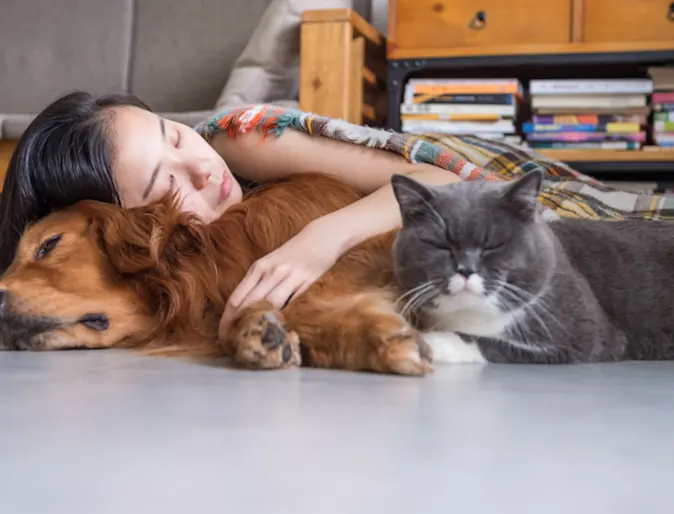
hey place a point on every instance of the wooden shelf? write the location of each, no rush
(537, 49)
(666, 155)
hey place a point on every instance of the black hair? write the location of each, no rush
(64, 156)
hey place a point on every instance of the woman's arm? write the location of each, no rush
(365, 169)
(293, 267)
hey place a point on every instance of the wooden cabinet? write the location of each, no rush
(628, 20)
(441, 28)
(460, 23)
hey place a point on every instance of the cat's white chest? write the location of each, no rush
(470, 314)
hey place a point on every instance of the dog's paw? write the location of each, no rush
(406, 353)
(264, 343)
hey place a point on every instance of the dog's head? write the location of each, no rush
(97, 276)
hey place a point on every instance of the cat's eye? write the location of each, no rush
(493, 247)
(47, 247)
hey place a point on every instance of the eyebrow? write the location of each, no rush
(155, 172)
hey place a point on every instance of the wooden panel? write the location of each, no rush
(324, 82)
(456, 23)
(628, 20)
(361, 26)
(577, 21)
(559, 48)
(6, 150)
(356, 80)
(609, 155)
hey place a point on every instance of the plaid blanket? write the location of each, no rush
(565, 192)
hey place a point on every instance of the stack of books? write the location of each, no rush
(662, 103)
(588, 114)
(481, 107)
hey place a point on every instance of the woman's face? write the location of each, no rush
(154, 156)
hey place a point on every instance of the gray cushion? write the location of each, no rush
(13, 125)
(50, 47)
(183, 51)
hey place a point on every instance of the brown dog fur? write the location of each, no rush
(161, 279)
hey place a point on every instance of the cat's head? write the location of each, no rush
(471, 239)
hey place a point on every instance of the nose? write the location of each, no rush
(200, 173)
(465, 271)
(2, 301)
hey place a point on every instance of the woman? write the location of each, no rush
(114, 149)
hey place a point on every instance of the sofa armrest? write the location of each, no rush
(342, 67)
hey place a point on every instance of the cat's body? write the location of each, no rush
(533, 292)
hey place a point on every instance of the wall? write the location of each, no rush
(379, 11)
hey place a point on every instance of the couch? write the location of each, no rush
(184, 59)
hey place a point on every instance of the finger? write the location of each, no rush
(265, 287)
(226, 321)
(250, 280)
(301, 289)
(282, 293)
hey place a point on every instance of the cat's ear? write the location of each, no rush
(413, 197)
(521, 196)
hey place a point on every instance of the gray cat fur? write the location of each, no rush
(606, 285)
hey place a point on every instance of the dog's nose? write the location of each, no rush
(2, 299)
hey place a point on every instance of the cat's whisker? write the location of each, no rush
(528, 308)
(416, 289)
(419, 301)
(415, 296)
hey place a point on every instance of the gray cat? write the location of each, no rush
(491, 282)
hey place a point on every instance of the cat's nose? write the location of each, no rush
(465, 271)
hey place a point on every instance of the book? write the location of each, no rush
(480, 99)
(598, 111)
(459, 127)
(663, 126)
(588, 119)
(599, 127)
(663, 107)
(586, 136)
(598, 145)
(591, 86)
(440, 87)
(509, 111)
(663, 116)
(450, 117)
(662, 98)
(610, 101)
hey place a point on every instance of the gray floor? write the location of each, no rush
(105, 432)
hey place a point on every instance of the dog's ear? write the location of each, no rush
(134, 239)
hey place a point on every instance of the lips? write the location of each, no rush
(225, 187)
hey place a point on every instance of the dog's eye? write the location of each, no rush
(47, 246)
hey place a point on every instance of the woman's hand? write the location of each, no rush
(288, 271)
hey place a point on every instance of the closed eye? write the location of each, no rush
(47, 246)
(493, 247)
(178, 139)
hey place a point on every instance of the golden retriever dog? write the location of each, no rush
(151, 278)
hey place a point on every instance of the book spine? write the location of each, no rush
(600, 127)
(447, 109)
(662, 98)
(663, 116)
(588, 119)
(443, 99)
(586, 136)
(663, 107)
(602, 145)
(556, 87)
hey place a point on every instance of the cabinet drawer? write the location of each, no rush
(458, 23)
(628, 20)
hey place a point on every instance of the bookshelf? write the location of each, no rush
(433, 39)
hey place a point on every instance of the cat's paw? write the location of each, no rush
(263, 343)
(451, 348)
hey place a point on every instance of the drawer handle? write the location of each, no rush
(670, 13)
(479, 21)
